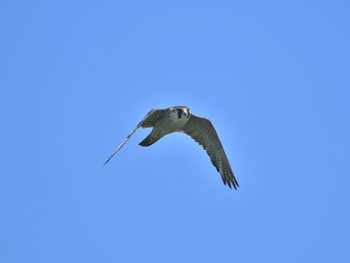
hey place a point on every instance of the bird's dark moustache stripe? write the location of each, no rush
(179, 113)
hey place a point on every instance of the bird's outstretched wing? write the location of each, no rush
(203, 132)
(147, 122)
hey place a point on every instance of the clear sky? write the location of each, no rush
(78, 76)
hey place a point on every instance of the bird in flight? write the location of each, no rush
(180, 119)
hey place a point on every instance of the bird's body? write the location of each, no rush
(179, 119)
(173, 121)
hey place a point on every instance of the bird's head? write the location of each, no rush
(183, 111)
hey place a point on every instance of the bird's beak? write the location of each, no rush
(187, 112)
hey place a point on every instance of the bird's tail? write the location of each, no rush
(150, 139)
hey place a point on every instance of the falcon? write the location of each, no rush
(180, 119)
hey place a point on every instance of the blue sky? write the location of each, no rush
(78, 76)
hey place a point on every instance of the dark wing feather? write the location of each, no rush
(147, 122)
(203, 132)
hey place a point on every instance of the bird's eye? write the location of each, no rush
(179, 112)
